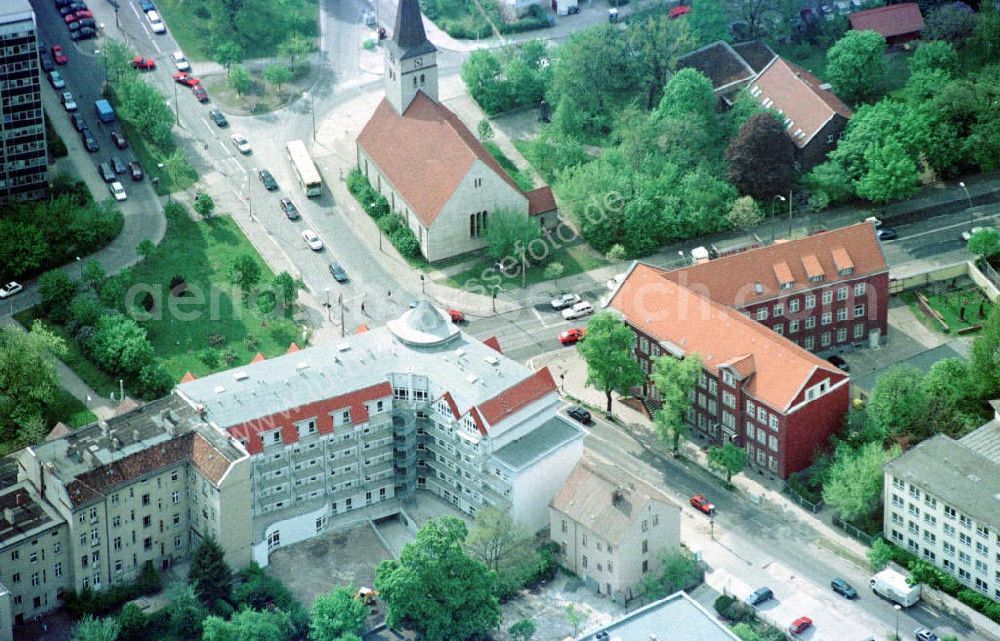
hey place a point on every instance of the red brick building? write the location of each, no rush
(898, 23)
(757, 389)
(827, 292)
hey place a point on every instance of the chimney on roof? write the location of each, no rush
(8, 515)
(135, 436)
(104, 427)
(617, 495)
(170, 422)
(115, 443)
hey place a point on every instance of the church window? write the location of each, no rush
(414, 82)
(421, 80)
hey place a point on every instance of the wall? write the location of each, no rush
(535, 485)
(911, 281)
(663, 538)
(816, 151)
(292, 530)
(234, 510)
(809, 429)
(984, 283)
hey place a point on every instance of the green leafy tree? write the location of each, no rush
(610, 356)
(146, 109)
(575, 618)
(120, 345)
(616, 254)
(336, 615)
(209, 574)
(890, 175)
(146, 248)
(23, 248)
(177, 167)
(484, 130)
(985, 243)
(204, 206)
(508, 234)
(154, 381)
(950, 401)
(227, 54)
(91, 629)
(497, 540)
(250, 625)
(482, 74)
(295, 49)
(118, 58)
(709, 21)
(761, 158)
(186, 612)
(522, 630)
(28, 381)
(677, 572)
(277, 75)
(934, 56)
(554, 271)
(728, 459)
(689, 95)
(659, 42)
(854, 482)
(984, 361)
(56, 290)
(245, 272)
(745, 632)
(745, 213)
(240, 80)
(897, 403)
(287, 287)
(132, 622)
(856, 65)
(93, 275)
(675, 380)
(879, 554)
(950, 23)
(436, 589)
(985, 40)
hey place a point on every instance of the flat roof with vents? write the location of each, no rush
(675, 618)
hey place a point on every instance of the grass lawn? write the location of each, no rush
(261, 97)
(812, 58)
(163, 185)
(575, 257)
(521, 177)
(949, 305)
(68, 409)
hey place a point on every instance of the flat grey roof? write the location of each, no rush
(551, 434)
(15, 9)
(985, 440)
(956, 474)
(675, 618)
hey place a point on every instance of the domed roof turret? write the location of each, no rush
(423, 325)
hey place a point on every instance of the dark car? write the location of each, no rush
(577, 413)
(118, 165)
(73, 26)
(66, 10)
(844, 589)
(147, 5)
(199, 93)
(87, 23)
(119, 140)
(89, 141)
(107, 172)
(62, 3)
(886, 233)
(289, 208)
(265, 177)
(839, 362)
(760, 595)
(338, 271)
(79, 122)
(218, 118)
(46, 60)
(135, 170)
(86, 33)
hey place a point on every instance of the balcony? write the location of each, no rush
(405, 459)
(266, 464)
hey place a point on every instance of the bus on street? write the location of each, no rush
(305, 170)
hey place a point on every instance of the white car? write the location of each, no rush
(314, 241)
(242, 144)
(10, 289)
(156, 22)
(118, 191)
(579, 310)
(68, 101)
(564, 300)
(180, 61)
(56, 79)
(967, 235)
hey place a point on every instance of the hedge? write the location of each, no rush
(104, 602)
(389, 222)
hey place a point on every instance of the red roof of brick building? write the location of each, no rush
(541, 201)
(799, 97)
(891, 20)
(517, 397)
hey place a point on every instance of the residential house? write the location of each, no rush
(612, 529)
(897, 23)
(677, 617)
(729, 67)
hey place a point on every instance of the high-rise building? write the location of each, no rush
(23, 152)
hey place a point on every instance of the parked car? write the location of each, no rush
(579, 310)
(118, 165)
(760, 595)
(67, 10)
(338, 271)
(68, 101)
(180, 61)
(72, 24)
(89, 141)
(135, 170)
(12, 288)
(886, 233)
(118, 191)
(314, 241)
(199, 93)
(155, 22)
(242, 144)
(79, 122)
(143, 64)
(456, 316)
(147, 5)
(800, 625)
(184, 78)
(571, 336)
(84, 13)
(839, 363)
(107, 172)
(56, 80)
(59, 55)
(86, 33)
(579, 414)
(119, 140)
(265, 177)
(924, 634)
(565, 300)
(967, 235)
(62, 3)
(700, 503)
(843, 588)
(218, 118)
(289, 208)
(87, 23)
(46, 61)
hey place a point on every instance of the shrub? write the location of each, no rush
(178, 285)
(216, 340)
(209, 357)
(406, 242)
(723, 603)
(57, 291)
(154, 382)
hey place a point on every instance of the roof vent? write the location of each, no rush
(301, 365)
(241, 375)
(460, 352)
(757, 287)
(220, 389)
(492, 360)
(471, 378)
(343, 347)
(973, 478)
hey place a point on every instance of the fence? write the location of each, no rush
(854, 532)
(803, 503)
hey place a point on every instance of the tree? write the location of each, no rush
(482, 74)
(745, 213)
(435, 589)
(485, 130)
(120, 345)
(890, 175)
(146, 248)
(675, 380)
(250, 625)
(616, 254)
(154, 381)
(608, 352)
(93, 275)
(177, 167)
(951, 23)
(227, 54)
(709, 21)
(91, 629)
(856, 65)
(854, 482)
(118, 58)
(23, 248)
(132, 622)
(575, 617)
(495, 538)
(288, 288)
(337, 614)
(28, 380)
(509, 233)
(245, 272)
(984, 361)
(985, 41)
(186, 612)
(897, 403)
(689, 95)
(56, 290)
(761, 158)
(553, 271)
(204, 205)
(728, 459)
(522, 630)
(985, 243)
(277, 75)
(934, 56)
(210, 574)
(294, 48)
(240, 80)
(879, 555)
(659, 42)
(950, 401)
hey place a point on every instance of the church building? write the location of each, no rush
(426, 162)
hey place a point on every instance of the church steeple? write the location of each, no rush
(410, 59)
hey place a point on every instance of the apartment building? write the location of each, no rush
(942, 503)
(827, 293)
(612, 528)
(23, 150)
(757, 388)
(342, 432)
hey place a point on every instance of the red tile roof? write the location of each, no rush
(361, 329)
(188, 377)
(292, 348)
(730, 280)
(258, 357)
(541, 201)
(890, 20)
(493, 342)
(718, 334)
(842, 260)
(425, 153)
(515, 398)
(207, 460)
(90, 485)
(800, 98)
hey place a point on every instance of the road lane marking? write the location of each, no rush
(545, 325)
(208, 126)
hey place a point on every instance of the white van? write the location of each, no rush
(155, 22)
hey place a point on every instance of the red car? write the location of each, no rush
(185, 79)
(456, 316)
(58, 55)
(700, 503)
(143, 64)
(800, 625)
(571, 336)
(84, 14)
(200, 93)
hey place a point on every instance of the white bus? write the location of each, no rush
(305, 170)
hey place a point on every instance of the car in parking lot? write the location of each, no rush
(118, 191)
(118, 165)
(87, 23)
(289, 208)
(184, 78)
(579, 310)
(886, 233)
(241, 142)
(143, 64)
(571, 336)
(46, 61)
(199, 93)
(703, 505)
(84, 13)
(56, 80)
(89, 141)
(67, 10)
(456, 316)
(925, 634)
(760, 595)
(800, 625)
(71, 17)
(839, 363)
(265, 177)
(119, 140)
(180, 61)
(59, 55)
(155, 22)
(314, 241)
(73, 26)
(218, 118)
(564, 300)
(843, 588)
(86, 33)
(107, 172)
(338, 271)
(579, 414)
(79, 122)
(10, 289)
(135, 170)
(68, 101)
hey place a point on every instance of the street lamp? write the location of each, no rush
(329, 317)
(897, 608)
(423, 283)
(81, 267)
(967, 197)
(782, 199)
(177, 109)
(711, 528)
(312, 110)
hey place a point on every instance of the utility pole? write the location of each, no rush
(340, 299)
(177, 113)
(329, 311)
(789, 214)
